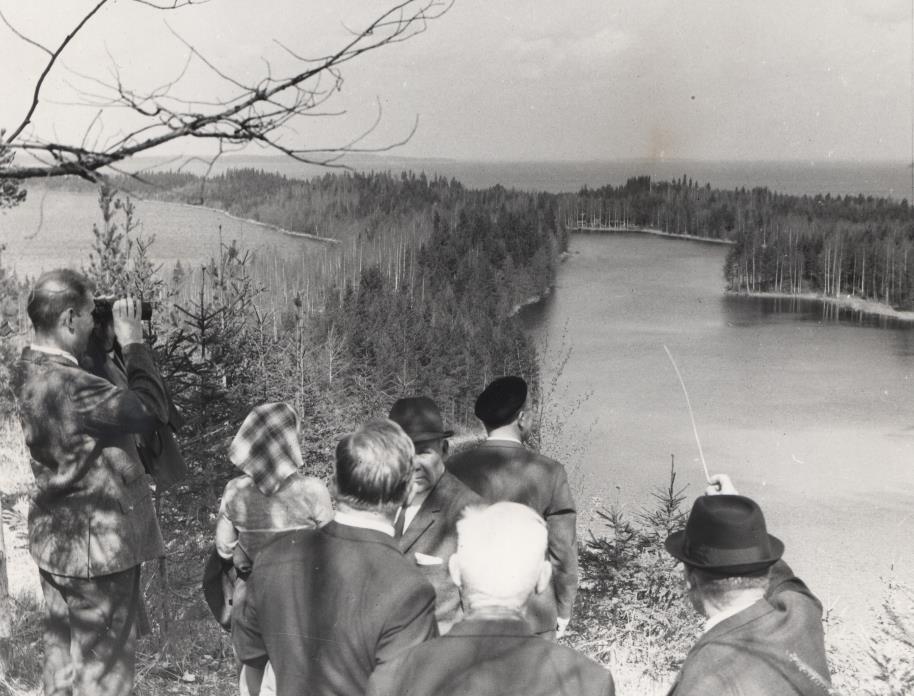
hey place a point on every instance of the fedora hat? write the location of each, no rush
(420, 419)
(726, 534)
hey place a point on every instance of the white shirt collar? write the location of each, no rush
(55, 351)
(727, 613)
(503, 438)
(364, 520)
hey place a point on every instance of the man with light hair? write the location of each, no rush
(327, 606)
(500, 563)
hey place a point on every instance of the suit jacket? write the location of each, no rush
(491, 656)
(504, 470)
(768, 649)
(326, 606)
(91, 511)
(433, 533)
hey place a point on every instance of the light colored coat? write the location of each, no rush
(91, 510)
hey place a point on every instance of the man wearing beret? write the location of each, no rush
(426, 527)
(502, 468)
(763, 633)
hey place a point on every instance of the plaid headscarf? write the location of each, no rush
(266, 447)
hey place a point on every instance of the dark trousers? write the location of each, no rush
(90, 635)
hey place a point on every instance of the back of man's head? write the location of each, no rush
(374, 467)
(723, 590)
(500, 558)
(501, 402)
(55, 292)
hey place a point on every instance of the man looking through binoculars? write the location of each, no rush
(92, 521)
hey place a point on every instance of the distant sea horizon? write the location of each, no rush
(877, 178)
(890, 179)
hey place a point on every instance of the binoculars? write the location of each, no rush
(102, 312)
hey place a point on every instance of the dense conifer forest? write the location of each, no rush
(417, 296)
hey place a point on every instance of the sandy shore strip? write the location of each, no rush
(851, 302)
(275, 228)
(655, 232)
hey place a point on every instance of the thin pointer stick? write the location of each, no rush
(691, 415)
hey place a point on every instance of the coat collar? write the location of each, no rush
(434, 503)
(29, 354)
(511, 444)
(735, 622)
(490, 627)
(343, 531)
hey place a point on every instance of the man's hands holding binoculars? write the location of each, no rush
(128, 326)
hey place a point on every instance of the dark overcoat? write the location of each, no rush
(504, 470)
(491, 656)
(91, 510)
(775, 647)
(327, 606)
(431, 539)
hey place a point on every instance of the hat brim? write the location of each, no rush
(427, 437)
(675, 546)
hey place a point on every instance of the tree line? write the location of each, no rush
(831, 245)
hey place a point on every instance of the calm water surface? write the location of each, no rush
(55, 229)
(810, 414)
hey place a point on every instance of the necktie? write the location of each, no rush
(400, 522)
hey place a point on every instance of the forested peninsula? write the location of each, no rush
(830, 246)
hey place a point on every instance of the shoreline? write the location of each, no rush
(532, 300)
(656, 233)
(851, 302)
(275, 228)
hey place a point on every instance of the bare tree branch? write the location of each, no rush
(47, 69)
(24, 37)
(262, 112)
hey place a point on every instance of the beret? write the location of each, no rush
(501, 400)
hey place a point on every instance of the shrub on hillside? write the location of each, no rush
(631, 599)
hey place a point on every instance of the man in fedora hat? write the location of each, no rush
(763, 633)
(502, 468)
(426, 526)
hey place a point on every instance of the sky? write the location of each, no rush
(513, 79)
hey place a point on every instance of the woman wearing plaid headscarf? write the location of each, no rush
(272, 496)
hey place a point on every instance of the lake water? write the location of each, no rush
(55, 229)
(810, 414)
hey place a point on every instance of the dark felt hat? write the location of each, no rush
(501, 400)
(420, 419)
(725, 534)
